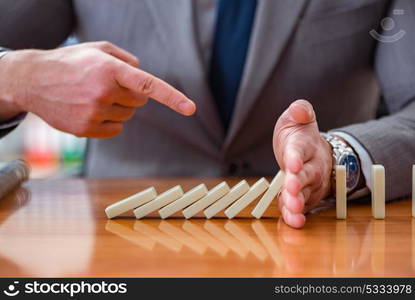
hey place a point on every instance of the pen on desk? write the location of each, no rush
(11, 175)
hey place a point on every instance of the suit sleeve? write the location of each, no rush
(390, 140)
(41, 24)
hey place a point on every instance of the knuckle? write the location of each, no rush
(142, 101)
(82, 130)
(119, 129)
(99, 94)
(104, 45)
(98, 67)
(105, 66)
(170, 100)
(91, 59)
(124, 116)
(130, 114)
(134, 61)
(93, 113)
(145, 85)
(115, 130)
(138, 101)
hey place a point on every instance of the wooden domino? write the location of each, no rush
(188, 198)
(235, 193)
(161, 200)
(130, 203)
(378, 191)
(257, 189)
(270, 194)
(341, 192)
(213, 195)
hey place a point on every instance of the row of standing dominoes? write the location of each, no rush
(378, 192)
(198, 199)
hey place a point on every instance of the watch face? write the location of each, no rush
(352, 170)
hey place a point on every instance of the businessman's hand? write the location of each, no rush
(306, 159)
(88, 89)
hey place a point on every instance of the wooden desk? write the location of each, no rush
(58, 228)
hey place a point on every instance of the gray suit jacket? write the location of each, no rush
(319, 50)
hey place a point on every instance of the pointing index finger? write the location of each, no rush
(146, 84)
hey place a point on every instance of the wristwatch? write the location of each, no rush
(3, 51)
(343, 154)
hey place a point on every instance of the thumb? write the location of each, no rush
(301, 111)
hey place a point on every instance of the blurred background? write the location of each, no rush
(49, 152)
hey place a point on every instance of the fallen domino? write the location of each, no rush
(234, 194)
(161, 200)
(212, 196)
(188, 198)
(130, 203)
(270, 194)
(254, 192)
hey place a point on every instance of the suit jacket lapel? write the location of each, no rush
(274, 23)
(175, 22)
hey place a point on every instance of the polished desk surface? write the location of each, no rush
(58, 228)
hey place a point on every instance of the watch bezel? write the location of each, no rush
(350, 175)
